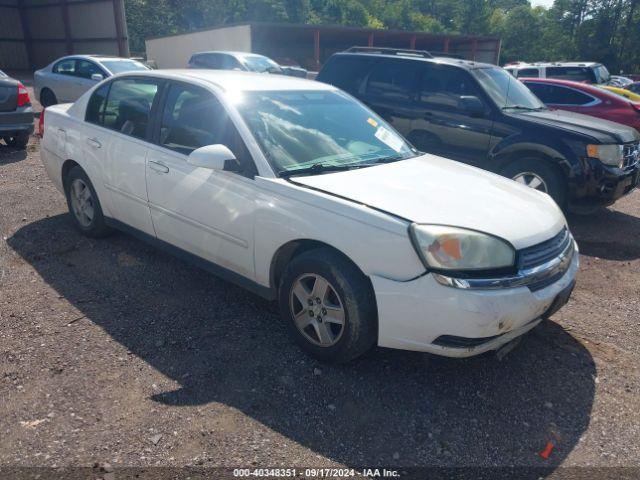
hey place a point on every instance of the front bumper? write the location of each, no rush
(424, 314)
(602, 185)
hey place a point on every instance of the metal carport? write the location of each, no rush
(35, 32)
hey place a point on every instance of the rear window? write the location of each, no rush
(346, 73)
(576, 74)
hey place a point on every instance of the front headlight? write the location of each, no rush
(452, 248)
(607, 154)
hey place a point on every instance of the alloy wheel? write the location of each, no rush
(82, 202)
(532, 180)
(317, 309)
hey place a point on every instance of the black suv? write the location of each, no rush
(481, 115)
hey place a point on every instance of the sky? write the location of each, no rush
(544, 3)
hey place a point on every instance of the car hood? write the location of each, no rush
(602, 130)
(434, 190)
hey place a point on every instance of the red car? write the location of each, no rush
(587, 99)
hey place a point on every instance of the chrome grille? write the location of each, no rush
(631, 154)
(544, 252)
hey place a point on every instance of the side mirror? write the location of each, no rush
(472, 105)
(98, 77)
(214, 157)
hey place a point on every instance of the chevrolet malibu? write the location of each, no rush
(298, 192)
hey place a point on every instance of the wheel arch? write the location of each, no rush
(293, 248)
(67, 165)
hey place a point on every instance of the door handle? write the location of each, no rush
(158, 167)
(94, 142)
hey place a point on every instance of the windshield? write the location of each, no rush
(505, 90)
(257, 63)
(120, 66)
(602, 74)
(299, 129)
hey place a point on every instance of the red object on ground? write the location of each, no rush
(547, 451)
(587, 99)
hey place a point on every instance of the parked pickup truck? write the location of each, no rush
(298, 192)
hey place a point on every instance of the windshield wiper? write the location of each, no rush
(317, 168)
(522, 107)
(393, 158)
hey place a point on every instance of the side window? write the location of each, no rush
(555, 95)
(443, 87)
(128, 106)
(229, 63)
(210, 61)
(541, 90)
(529, 72)
(192, 118)
(65, 67)
(393, 80)
(95, 107)
(85, 68)
(346, 72)
(569, 96)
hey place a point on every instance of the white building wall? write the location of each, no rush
(175, 51)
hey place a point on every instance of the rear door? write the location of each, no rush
(206, 212)
(390, 91)
(62, 80)
(116, 141)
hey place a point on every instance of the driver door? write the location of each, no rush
(208, 213)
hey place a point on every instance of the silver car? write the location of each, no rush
(65, 79)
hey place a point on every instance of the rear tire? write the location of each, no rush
(84, 205)
(536, 173)
(18, 141)
(47, 98)
(334, 323)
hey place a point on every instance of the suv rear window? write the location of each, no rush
(576, 74)
(346, 72)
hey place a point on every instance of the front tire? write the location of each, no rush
(328, 305)
(537, 174)
(84, 205)
(48, 98)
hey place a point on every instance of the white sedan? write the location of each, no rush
(298, 192)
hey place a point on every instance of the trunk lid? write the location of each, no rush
(8, 94)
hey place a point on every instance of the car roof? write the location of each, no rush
(232, 53)
(553, 64)
(233, 80)
(468, 64)
(585, 87)
(95, 57)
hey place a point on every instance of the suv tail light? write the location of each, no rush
(23, 96)
(636, 106)
(41, 124)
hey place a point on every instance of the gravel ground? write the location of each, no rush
(111, 351)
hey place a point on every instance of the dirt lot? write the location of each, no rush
(111, 351)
